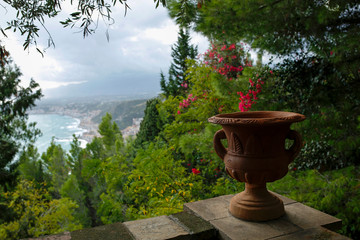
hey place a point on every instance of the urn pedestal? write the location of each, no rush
(256, 154)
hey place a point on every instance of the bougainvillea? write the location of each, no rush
(227, 60)
(186, 102)
(246, 100)
(195, 171)
(232, 65)
(230, 61)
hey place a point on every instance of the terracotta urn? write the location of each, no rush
(256, 154)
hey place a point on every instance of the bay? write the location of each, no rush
(59, 127)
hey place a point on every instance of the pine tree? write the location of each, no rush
(111, 134)
(150, 125)
(181, 51)
(15, 101)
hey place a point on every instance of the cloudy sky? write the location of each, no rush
(129, 64)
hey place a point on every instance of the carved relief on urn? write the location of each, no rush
(256, 154)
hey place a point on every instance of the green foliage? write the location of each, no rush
(71, 189)
(282, 27)
(31, 167)
(334, 192)
(55, 161)
(307, 83)
(36, 213)
(115, 171)
(151, 124)
(330, 133)
(331, 140)
(183, 11)
(226, 185)
(111, 134)
(158, 185)
(172, 161)
(180, 52)
(318, 72)
(122, 112)
(15, 100)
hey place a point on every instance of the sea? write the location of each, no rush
(59, 127)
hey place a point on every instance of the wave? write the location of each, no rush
(61, 127)
(63, 140)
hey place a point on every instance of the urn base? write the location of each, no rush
(256, 204)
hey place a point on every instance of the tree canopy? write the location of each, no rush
(15, 100)
(181, 51)
(317, 42)
(280, 27)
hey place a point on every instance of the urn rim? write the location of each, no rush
(257, 118)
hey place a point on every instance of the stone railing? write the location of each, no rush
(210, 219)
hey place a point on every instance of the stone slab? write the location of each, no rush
(197, 228)
(318, 233)
(210, 209)
(307, 217)
(116, 231)
(297, 218)
(61, 236)
(285, 200)
(234, 228)
(156, 228)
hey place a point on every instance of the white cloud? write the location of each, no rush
(31, 62)
(52, 84)
(140, 44)
(165, 34)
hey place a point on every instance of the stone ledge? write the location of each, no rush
(105, 232)
(210, 220)
(197, 228)
(299, 221)
(318, 233)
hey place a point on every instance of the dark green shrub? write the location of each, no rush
(334, 192)
(316, 155)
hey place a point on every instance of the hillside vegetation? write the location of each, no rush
(171, 161)
(123, 111)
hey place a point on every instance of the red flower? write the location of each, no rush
(232, 46)
(195, 171)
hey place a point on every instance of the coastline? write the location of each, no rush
(89, 128)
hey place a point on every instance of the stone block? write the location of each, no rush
(156, 228)
(116, 231)
(210, 209)
(297, 219)
(197, 228)
(307, 217)
(60, 236)
(318, 233)
(234, 228)
(285, 200)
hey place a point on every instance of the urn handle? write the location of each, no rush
(219, 147)
(294, 150)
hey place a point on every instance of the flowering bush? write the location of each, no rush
(230, 67)
(186, 102)
(229, 61)
(195, 171)
(247, 100)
